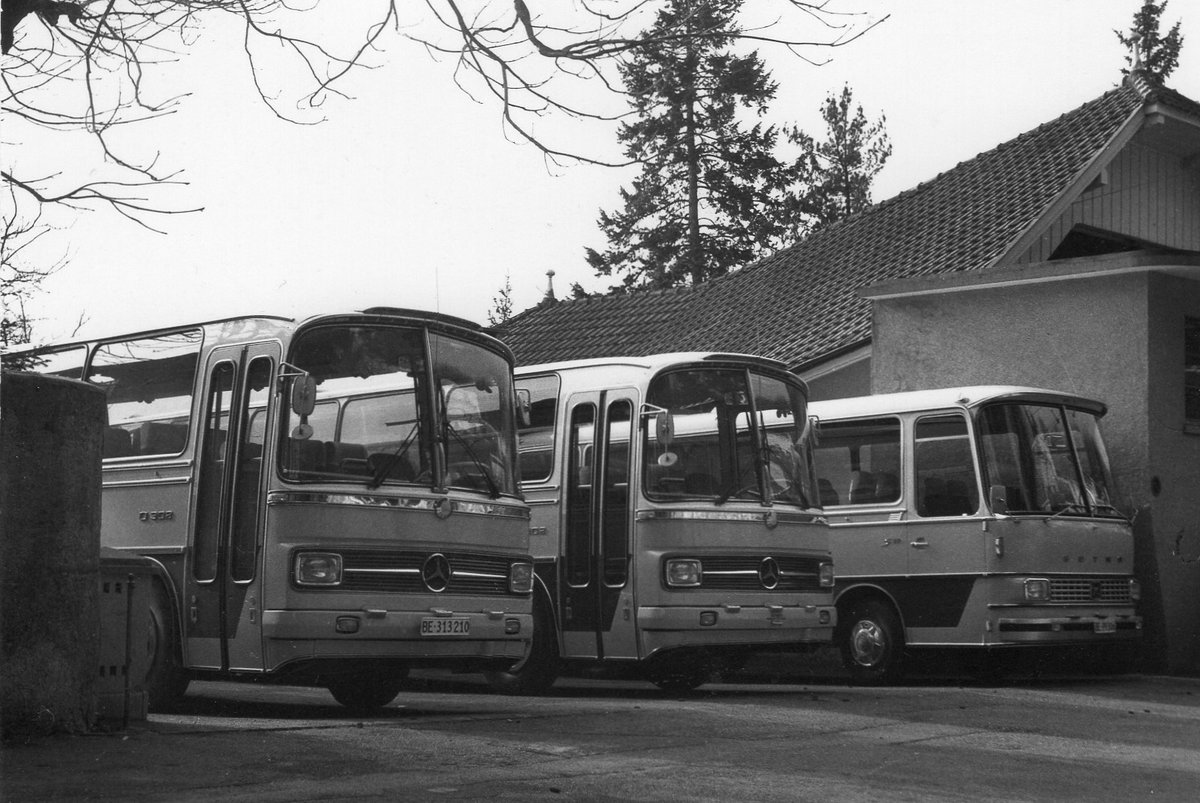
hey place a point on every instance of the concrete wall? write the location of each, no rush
(1118, 338)
(51, 433)
(853, 379)
(1172, 490)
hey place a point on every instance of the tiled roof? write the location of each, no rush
(802, 303)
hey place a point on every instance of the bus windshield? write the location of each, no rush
(1048, 459)
(390, 399)
(723, 434)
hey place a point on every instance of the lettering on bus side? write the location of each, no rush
(156, 515)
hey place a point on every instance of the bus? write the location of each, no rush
(973, 518)
(672, 533)
(327, 502)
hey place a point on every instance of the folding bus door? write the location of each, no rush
(222, 604)
(596, 587)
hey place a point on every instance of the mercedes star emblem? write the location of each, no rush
(437, 572)
(768, 573)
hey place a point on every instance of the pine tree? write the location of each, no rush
(707, 197)
(1158, 55)
(838, 172)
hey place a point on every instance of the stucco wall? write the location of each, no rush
(50, 440)
(1116, 338)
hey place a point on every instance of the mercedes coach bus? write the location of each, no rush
(326, 502)
(976, 517)
(673, 532)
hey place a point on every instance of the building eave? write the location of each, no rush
(1170, 262)
(1059, 204)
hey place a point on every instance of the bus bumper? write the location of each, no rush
(710, 626)
(1095, 628)
(418, 638)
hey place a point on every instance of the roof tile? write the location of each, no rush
(802, 303)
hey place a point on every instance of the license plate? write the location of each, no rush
(454, 626)
(1105, 626)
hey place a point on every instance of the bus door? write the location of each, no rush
(598, 615)
(223, 599)
(947, 546)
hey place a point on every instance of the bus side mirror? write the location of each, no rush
(812, 431)
(304, 395)
(304, 401)
(998, 499)
(664, 428)
(524, 407)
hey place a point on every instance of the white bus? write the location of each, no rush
(673, 534)
(975, 517)
(327, 502)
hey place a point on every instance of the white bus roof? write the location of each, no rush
(944, 398)
(649, 362)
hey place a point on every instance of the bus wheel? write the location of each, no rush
(680, 674)
(872, 643)
(366, 693)
(166, 681)
(538, 670)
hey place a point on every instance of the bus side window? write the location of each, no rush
(148, 382)
(579, 534)
(858, 462)
(247, 500)
(615, 525)
(943, 468)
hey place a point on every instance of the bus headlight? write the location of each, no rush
(1135, 590)
(318, 569)
(1037, 589)
(826, 575)
(520, 578)
(683, 572)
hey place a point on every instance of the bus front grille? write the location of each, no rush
(750, 573)
(407, 571)
(1073, 590)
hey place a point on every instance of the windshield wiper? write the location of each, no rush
(1069, 508)
(390, 462)
(493, 488)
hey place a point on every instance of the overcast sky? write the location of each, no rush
(410, 195)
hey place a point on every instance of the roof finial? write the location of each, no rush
(550, 285)
(1137, 55)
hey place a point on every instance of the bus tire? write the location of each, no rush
(537, 671)
(682, 673)
(366, 693)
(166, 681)
(871, 642)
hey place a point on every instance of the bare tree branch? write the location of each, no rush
(93, 68)
(558, 58)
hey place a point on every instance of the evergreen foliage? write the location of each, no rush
(712, 194)
(703, 202)
(502, 305)
(1157, 55)
(840, 169)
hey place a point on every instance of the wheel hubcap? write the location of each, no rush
(867, 643)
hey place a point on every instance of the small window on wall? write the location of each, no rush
(1191, 375)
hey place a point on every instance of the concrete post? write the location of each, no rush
(51, 441)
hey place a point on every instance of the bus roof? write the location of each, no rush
(943, 398)
(425, 316)
(650, 362)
